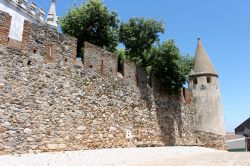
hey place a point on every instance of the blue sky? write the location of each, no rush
(224, 27)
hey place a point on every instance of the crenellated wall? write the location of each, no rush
(48, 43)
(44, 42)
(63, 106)
(100, 60)
(49, 102)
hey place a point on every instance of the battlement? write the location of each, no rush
(105, 63)
(38, 39)
(92, 103)
(49, 46)
(100, 60)
(54, 47)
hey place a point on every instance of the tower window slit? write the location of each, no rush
(195, 81)
(209, 80)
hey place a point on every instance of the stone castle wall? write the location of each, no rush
(100, 60)
(63, 106)
(44, 42)
(49, 102)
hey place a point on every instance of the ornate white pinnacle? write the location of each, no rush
(52, 19)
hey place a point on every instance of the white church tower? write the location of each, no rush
(52, 19)
(204, 85)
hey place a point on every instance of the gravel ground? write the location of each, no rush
(102, 157)
(209, 159)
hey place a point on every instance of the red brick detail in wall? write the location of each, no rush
(5, 29)
(102, 66)
(50, 53)
(74, 48)
(26, 35)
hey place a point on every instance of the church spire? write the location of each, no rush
(52, 19)
(203, 64)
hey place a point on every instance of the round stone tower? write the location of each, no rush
(204, 85)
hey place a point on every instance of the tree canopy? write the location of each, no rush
(142, 46)
(138, 35)
(170, 67)
(92, 22)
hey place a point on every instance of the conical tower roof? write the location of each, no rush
(203, 64)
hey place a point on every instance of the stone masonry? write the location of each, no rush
(49, 102)
(5, 20)
(63, 106)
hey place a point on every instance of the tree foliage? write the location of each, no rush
(121, 57)
(140, 38)
(92, 22)
(121, 53)
(138, 35)
(170, 67)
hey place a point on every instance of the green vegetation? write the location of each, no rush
(170, 67)
(138, 35)
(93, 22)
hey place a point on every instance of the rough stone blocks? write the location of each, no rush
(5, 21)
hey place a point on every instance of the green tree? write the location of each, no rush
(139, 35)
(121, 53)
(92, 22)
(170, 67)
(186, 64)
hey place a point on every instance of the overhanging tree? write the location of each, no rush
(138, 35)
(170, 67)
(92, 22)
